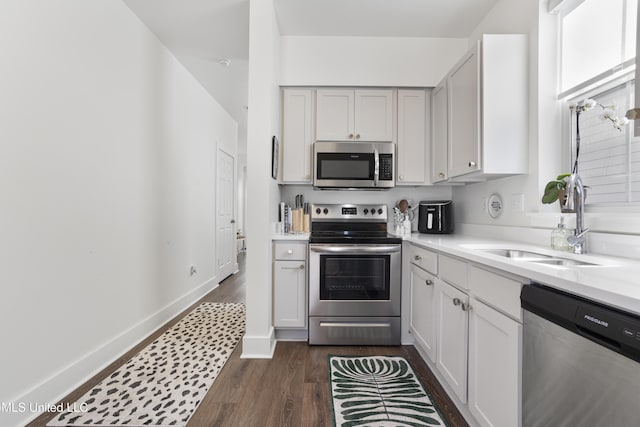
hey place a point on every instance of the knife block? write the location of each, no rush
(296, 220)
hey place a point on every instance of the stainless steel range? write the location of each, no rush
(354, 276)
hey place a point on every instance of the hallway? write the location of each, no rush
(289, 390)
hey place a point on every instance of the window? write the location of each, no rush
(598, 59)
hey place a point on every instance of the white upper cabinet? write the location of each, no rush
(354, 115)
(413, 136)
(297, 135)
(464, 130)
(487, 110)
(440, 133)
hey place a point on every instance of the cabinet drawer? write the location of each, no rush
(453, 271)
(290, 251)
(497, 291)
(424, 259)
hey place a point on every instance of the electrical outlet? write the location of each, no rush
(517, 202)
(192, 270)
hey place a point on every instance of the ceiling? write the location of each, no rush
(200, 32)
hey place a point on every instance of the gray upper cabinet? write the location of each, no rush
(297, 135)
(414, 110)
(354, 115)
(486, 112)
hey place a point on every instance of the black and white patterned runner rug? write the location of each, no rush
(379, 391)
(164, 383)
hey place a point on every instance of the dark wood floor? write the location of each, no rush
(289, 390)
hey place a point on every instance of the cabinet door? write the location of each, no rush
(289, 294)
(297, 135)
(453, 329)
(373, 115)
(439, 125)
(495, 343)
(423, 310)
(464, 116)
(412, 137)
(334, 115)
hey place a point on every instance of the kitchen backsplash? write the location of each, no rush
(389, 197)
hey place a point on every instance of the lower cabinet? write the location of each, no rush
(452, 336)
(290, 285)
(423, 309)
(467, 322)
(494, 368)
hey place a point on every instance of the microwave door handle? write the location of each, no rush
(376, 167)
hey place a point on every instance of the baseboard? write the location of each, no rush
(292, 334)
(63, 382)
(259, 347)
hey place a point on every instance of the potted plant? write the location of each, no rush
(556, 189)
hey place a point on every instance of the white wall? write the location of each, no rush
(262, 191)
(107, 182)
(367, 61)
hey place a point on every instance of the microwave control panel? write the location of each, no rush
(386, 167)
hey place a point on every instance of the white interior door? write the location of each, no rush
(225, 224)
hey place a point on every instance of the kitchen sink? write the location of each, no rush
(534, 257)
(564, 262)
(517, 254)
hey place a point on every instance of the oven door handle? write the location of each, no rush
(355, 249)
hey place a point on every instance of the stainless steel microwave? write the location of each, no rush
(357, 165)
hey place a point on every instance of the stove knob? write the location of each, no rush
(318, 211)
(326, 211)
(380, 211)
(373, 211)
(366, 211)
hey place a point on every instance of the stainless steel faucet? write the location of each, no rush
(575, 204)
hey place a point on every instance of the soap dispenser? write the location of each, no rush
(559, 237)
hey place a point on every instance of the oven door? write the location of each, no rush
(354, 279)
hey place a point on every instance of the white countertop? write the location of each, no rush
(613, 281)
(290, 236)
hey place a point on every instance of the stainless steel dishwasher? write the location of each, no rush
(580, 362)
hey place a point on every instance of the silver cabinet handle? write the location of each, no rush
(357, 136)
(301, 266)
(233, 221)
(472, 164)
(441, 174)
(457, 301)
(466, 307)
(428, 282)
(290, 251)
(417, 257)
(350, 136)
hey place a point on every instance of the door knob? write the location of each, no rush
(301, 266)
(417, 257)
(472, 164)
(350, 136)
(456, 301)
(441, 174)
(290, 251)
(233, 221)
(428, 282)
(357, 135)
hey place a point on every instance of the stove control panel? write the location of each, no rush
(348, 212)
